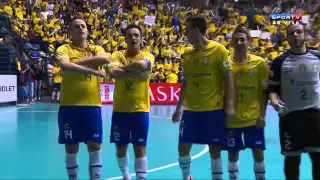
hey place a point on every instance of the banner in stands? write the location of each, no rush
(8, 88)
(160, 93)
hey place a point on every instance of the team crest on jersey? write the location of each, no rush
(226, 64)
(303, 68)
(315, 68)
(205, 60)
(250, 72)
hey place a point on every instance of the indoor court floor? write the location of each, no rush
(29, 148)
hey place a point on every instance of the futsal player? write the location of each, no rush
(251, 82)
(206, 68)
(294, 93)
(131, 70)
(57, 79)
(79, 115)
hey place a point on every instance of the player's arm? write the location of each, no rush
(263, 95)
(274, 81)
(117, 72)
(228, 82)
(181, 97)
(99, 59)
(64, 62)
(141, 65)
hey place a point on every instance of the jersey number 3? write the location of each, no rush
(303, 94)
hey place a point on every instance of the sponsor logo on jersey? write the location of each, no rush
(200, 74)
(303, 68)
(303, 83)
(287, 70)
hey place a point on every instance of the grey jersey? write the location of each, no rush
(295, 78)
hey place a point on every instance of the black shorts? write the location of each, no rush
(300, 132)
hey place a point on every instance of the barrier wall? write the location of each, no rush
(8, 88)
(160, 93)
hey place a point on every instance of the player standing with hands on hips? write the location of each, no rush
(251, 82)
(79, 115)
(206, 68)
(131, 69)
(294, 92)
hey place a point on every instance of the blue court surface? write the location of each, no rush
(29, 148)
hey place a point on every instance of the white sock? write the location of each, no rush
(72, 166)
(260, 170)
(95, 165)
(123, 165)
(185, 163)
(141, 167)
(58, 95)
(216, 168)
(53, 94)
(233, 168)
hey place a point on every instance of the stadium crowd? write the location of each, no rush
(46, 23)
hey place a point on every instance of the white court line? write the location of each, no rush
(11, 110)
(37, 111)
(201, 153)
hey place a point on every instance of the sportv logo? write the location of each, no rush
(290, 17)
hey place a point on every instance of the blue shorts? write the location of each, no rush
(202, 127)
(129, 128)
(248, 137)
(56, 86)
(79, 124)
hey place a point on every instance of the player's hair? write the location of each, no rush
(243, 31)
(199, 22)
(133, 26)
(303, 26)
(76, 17)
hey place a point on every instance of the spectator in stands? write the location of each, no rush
(28, 74)
(39, 75)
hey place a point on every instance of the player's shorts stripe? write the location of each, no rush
(274, 82)
(72, 167)
(96, 166)
(233, 171)
(217, 173)
(293, 153)
(312, 149)
(141, 172)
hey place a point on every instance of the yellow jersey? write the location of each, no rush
(132, 94)
(57, 75)
(172, 78)
(204, 72)
(251, 78)
(79, 89)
